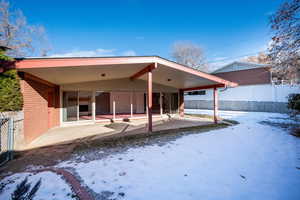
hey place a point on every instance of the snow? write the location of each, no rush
(53, 187)
(248, 161)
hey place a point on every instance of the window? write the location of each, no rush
(83, 108)
(199, 92)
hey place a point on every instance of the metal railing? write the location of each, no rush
(6, 140)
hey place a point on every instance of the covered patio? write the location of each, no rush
(70, 91)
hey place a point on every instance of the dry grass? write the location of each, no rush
(201, 116)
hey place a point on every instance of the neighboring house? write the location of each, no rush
(256, 91)
(246, 73)
(68, 91)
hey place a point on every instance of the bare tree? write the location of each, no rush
(284, 50)
(22, 38)
(261, 58)
(189, 54)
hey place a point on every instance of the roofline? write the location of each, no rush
(241, 62)
(57, 58)
(241, 70)
(79, 57)
(46, 62)
(197, 72)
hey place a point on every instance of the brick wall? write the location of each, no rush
(36, 117)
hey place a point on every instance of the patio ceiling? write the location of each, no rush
(74, 70)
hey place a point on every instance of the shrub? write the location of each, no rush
(294, 102)
(5, 57)
(10, 92)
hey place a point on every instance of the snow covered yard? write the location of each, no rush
(255, 159)
(52, 186)
(251, 160)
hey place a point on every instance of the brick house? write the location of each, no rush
(256, 91)
(245, 73)
(69, 91)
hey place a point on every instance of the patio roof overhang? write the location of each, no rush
(61, 71)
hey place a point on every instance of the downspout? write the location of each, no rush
(224, 89)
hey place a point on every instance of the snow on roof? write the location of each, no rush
(238, 66)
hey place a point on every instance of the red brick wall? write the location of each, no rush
(248, 77)
(35, 96)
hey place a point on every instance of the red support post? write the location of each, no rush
(216, 105)
(149, 95)
(181, 103)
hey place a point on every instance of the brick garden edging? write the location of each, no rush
(80, 191)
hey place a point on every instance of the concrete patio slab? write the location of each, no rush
(83, 133)
(64, 134)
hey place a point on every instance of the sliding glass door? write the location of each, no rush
(77, 106)
(85, 105)
(70, 108)
(170, 103)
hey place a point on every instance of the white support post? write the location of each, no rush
(216, 105)
(131, 105)
(114, 110)
(61, 108)
(160, 104)
(170, 104)
(94, 106)
(150, 100)
(77, 105)
(178, 105)
(146, 105)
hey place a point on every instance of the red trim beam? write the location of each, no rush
(143, 71)
(204, 87)
(37, 79)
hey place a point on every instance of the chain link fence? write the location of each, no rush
(6, 140)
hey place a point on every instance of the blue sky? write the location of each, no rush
(224, 29)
